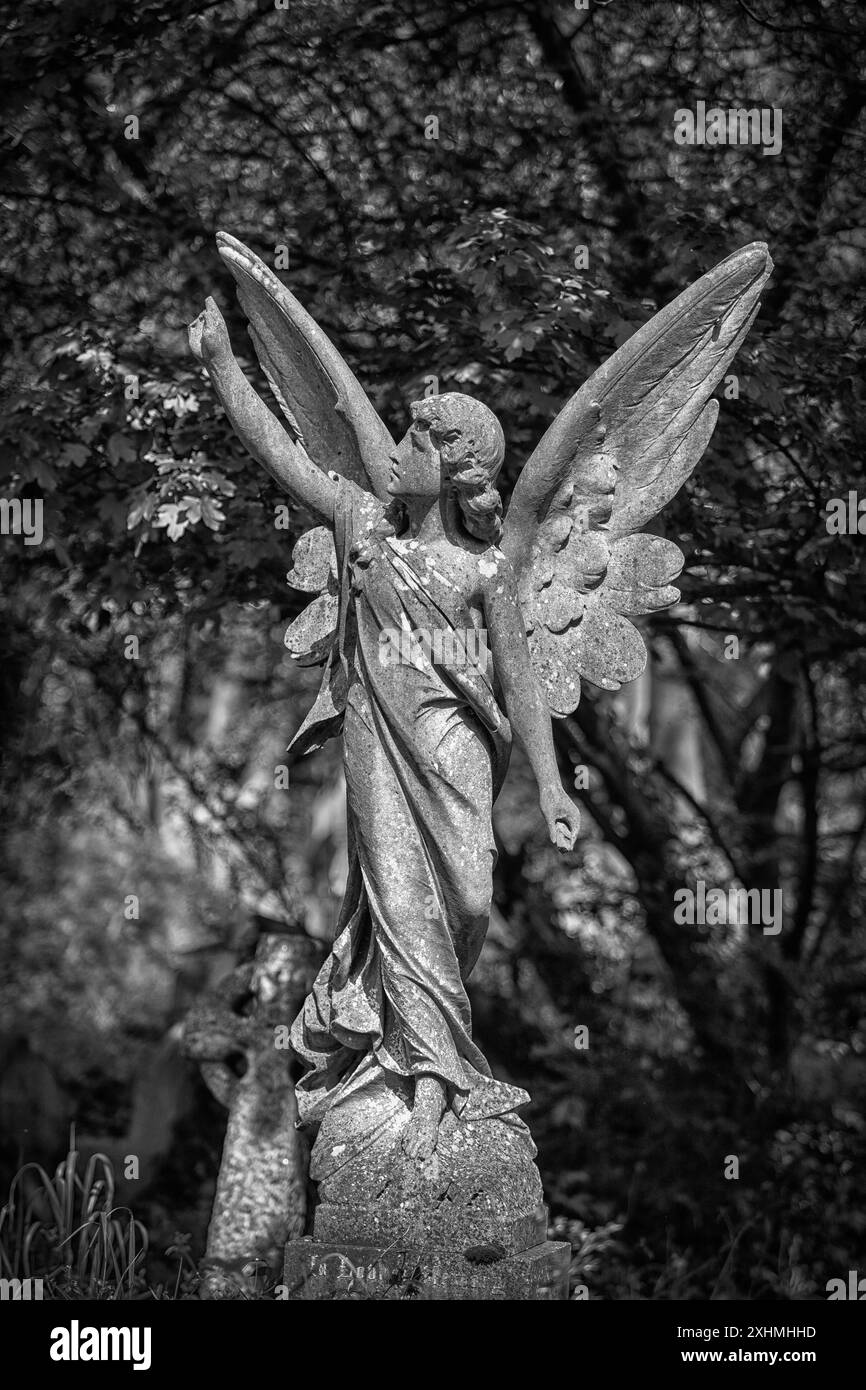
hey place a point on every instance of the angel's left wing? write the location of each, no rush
(324, 404)
(614, 456)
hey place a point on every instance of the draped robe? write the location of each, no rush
(425, 747)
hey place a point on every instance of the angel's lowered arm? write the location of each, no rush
(255, 425)
(525, 703)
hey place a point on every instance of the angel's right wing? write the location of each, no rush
(324, 403)
(327, 412)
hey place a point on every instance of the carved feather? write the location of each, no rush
(321, 398)
(314, 562)
(615, 455)
(310, 637)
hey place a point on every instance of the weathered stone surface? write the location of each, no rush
(482, 1162)
(260, 1199)
(442, 1225)
(314, 562)
(415, 1132)
(481, 1184)
(319, 1270)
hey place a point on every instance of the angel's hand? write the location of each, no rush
(209, 337)
(563, 818)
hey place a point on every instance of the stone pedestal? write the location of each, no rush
(447, 1224)
(441, 1252)
(316, 1269)
(469, 1223)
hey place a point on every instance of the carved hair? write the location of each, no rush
(474, 459)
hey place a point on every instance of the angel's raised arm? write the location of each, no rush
(330, 425)
(255, 425)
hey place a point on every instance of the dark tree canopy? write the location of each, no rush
(481, 196)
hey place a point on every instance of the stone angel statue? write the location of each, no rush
(413, 547)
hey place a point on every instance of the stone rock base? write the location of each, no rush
(437, 1224)
(467, 1223)
(315, 1269)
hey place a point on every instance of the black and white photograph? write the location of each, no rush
(432, 609)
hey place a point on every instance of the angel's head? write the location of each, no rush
(454, 442)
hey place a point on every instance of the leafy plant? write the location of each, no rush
(67, 1230)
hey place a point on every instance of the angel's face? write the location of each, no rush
(417, 467)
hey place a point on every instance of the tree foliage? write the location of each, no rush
(505, 251)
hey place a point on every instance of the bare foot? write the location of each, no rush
(422, 1131)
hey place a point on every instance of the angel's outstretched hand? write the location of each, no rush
(563, 818)
(209, 337)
